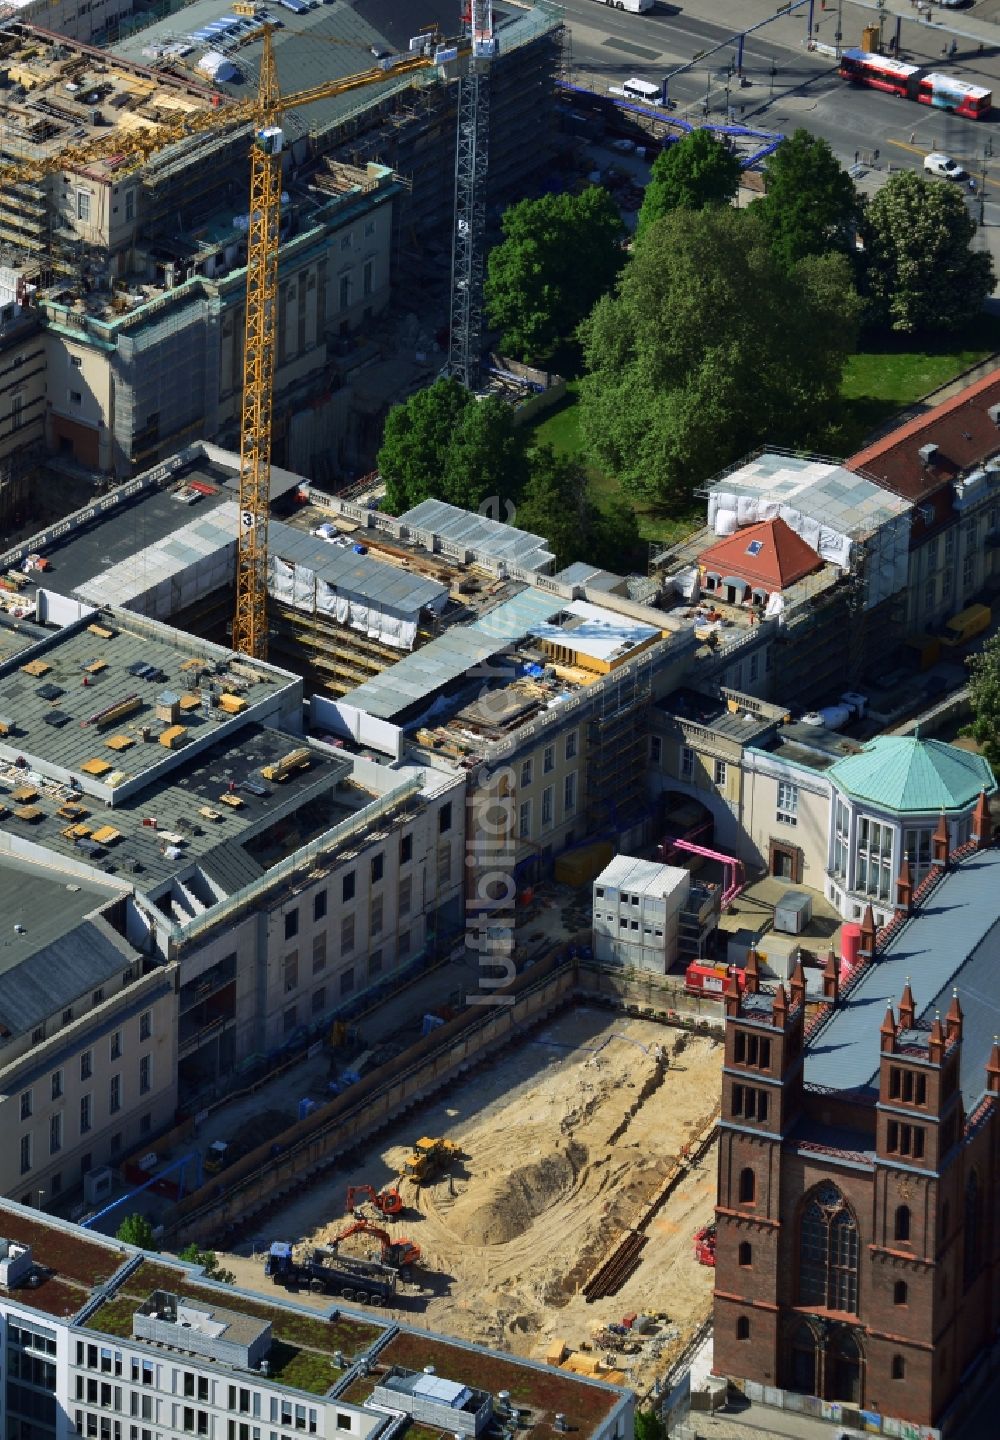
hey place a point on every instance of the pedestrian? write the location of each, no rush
(953, 48)
(913, 137)
(972, 185)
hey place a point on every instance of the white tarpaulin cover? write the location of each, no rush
(832, 509)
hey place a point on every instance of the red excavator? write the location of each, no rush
(397, 1253)
(388, 1202)
(704, 1246)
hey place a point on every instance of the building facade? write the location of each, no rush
(856, 1213)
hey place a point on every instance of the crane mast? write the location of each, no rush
(260, 346)
(471, 163)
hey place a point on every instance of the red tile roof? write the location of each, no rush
(960, 428)
(768, 556)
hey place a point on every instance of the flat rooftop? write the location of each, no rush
(121, 537)
(57, 87)
(51, 953)
(69, 1262)
(214, 820)
(443, 683)
(951, 942)
(812, 746)
(98, 705)
(544, 1391)
(720, 713)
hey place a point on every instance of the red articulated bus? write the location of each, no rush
(912, 82)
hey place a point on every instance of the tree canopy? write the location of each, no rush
(921, 273)
(690, 174)
(556, 503)
(811, 205)
(209, 1262)
(444, 444)
(558, 255)
(709, 347)
(984, 690)
(136, 1230)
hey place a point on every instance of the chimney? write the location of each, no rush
(939, 843)
(904, 888)
(928, 455)
(867, 946)
(731, 996)
(798, 983)
(993, 411)
(981, 822)
(751, 972)
(888, 1030)
(779, 1008)
(831, 978)
(953, 1020)
(935, 1049)
(993, 1069)
(907, 1009)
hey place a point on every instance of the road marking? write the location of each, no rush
(905, 145)
(631, 49)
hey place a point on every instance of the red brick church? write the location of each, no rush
(859, 1159)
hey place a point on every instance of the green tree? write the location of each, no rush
(984, 690)
(708, 348)
(558, 255)
(209, 1262)
(416, 441)
(136, 1230)
(690, 174)
(486, 456)
(649, 1426)
(811, 205)
(921, 273)
(555, 503)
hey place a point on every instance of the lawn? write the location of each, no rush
(881, 379)
(560, 428)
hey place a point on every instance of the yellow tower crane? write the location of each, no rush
(260, 342)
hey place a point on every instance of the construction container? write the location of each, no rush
(926, 650)
(579, 867)
(967, 624)
(173, 737)
(232, 704)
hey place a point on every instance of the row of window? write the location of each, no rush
(548, 807)
(115, 1048)
(752, 1050)
(56, 1120)
(348, 884)
(750, 1102)
(570, 750)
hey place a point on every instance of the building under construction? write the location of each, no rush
(125, 226)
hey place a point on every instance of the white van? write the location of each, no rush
(644, 90)
(937, 164)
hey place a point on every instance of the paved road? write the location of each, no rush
(606, 45)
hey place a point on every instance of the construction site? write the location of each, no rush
(558, 1194)
(124, 219)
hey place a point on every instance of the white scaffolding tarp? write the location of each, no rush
(835, 511)
(382, 600)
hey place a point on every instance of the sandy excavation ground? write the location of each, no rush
(539, 1195)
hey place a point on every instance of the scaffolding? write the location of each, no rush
(467, 263)
(617, 741)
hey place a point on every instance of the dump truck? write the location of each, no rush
(428, 1154)
(368, 1281)
(287, 765)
